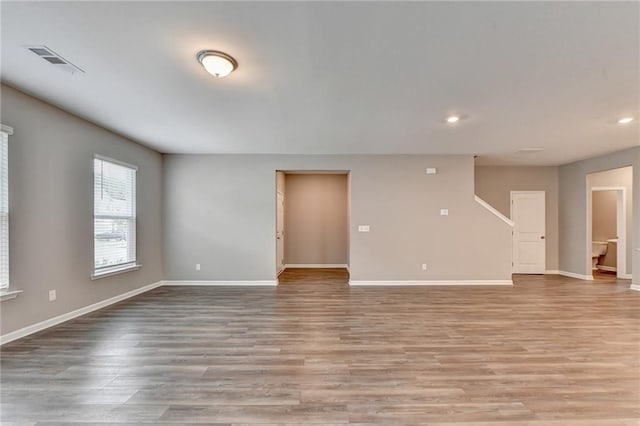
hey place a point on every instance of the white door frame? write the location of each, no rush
(337, 171)
(621, 229)
(511, 194)
(279, 268)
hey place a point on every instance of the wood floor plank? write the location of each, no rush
(548, 351)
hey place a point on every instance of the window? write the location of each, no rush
(114, 216)
(4, 210)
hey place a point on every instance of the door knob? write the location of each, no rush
(542, 238)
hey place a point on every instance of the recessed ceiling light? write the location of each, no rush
(625, 120)
(453, 119)
(218, 64)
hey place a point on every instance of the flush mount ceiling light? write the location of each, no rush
(218, 64)
(625, 120)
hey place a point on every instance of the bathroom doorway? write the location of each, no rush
(609, 222)
(608, 205)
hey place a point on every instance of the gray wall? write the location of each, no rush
(316, 219)
(220, 212)
(616, 177)
(51, 211)
(604, 217)
(495, 183)
(573, 208)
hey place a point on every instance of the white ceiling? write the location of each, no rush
(342, 77)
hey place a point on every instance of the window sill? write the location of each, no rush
(111, 272)
(9, 294)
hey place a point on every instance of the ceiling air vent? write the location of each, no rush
(53, 58)
(528, 150)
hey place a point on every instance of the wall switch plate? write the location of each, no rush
(444, 212)
(197, 266)
(424, 266)
(363, 228)
(432, 170)
(52, 295)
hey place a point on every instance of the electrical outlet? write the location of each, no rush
(424, 266)
(52, 295)
(197, 266)
(363, 228)
(444, 212)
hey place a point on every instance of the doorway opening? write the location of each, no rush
(609, 222)
(608, 204)
(312, 226)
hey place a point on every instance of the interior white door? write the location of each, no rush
(280, 231)
(528, 215)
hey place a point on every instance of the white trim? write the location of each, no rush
(7, 294)
(431, 283)
(635, 287)
(493, 210)
(574, 275)
(6, 129)
(626, 276)
(222, 283)
(608, 188)
(113, 160)
(34, 328)
(108, 272)
(317, 265)
(280, 267)
(552, 272)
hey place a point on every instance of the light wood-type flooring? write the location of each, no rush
(548, 351)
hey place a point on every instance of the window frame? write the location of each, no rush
(5, 273)
(132, 264)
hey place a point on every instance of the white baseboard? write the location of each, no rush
(431, 283)
(574, 275)
(34, 328)
(635, 287)
(222, 283)
(317, 265)
(552, 272)
(626, 276)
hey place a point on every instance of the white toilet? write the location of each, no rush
(598, 248)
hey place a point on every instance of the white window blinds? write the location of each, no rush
(4, 211)
(114, 217)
